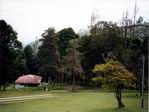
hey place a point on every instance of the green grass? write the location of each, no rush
(84, 101)
(31, 91)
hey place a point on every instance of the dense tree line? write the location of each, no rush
(66, 58)
(107, 39)
(11, 54)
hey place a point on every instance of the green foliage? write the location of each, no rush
(28, 51)
(114, 75)
(105, 38)
(65, 35)
(31, 60)
(48, 54)
(56, 54)
(20, 65)
(10, 49)
(132, 56)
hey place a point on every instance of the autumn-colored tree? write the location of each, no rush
(72, 61)
(114, 75)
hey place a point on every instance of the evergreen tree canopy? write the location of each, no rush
(10, 48)
(65, 35)
(32, 63)
(48, 54)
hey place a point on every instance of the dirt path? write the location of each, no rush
(27, 97)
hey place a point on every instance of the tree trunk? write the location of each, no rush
(61, 79)
(120, 104)
(119, 98)
(4, 86)
(73, 84)
(125, 37)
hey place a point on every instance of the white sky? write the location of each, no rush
(31, 17)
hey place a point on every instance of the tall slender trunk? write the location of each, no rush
(73, 84)
(62, 78)
(4, 86)
(125, 37)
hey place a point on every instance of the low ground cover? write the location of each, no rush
(80, 101)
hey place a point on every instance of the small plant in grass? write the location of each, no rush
(114, 75)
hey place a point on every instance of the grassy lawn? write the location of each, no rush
(31, 91)
(86, 101)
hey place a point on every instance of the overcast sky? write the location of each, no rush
(31, 17)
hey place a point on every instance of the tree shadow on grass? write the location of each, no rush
(110, 109)
(125, 109)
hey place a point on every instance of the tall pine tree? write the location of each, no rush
(49, 55)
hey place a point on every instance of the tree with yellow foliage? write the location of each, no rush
(114, 75)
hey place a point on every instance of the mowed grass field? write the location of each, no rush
(64, 101)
